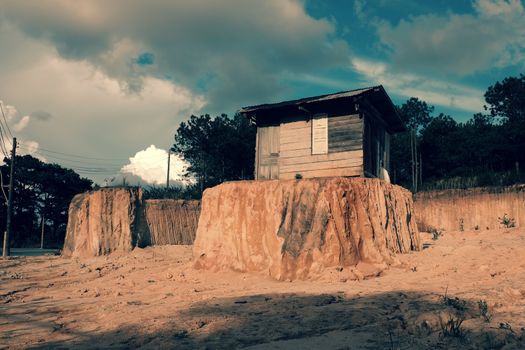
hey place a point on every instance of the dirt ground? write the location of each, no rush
(153, 298)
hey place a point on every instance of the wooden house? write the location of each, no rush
(342, 134)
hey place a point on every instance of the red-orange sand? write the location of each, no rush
(153, 298)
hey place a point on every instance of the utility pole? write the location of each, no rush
(42, 232)
(6, 248)
(168, 175)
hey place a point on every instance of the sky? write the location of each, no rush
(101, 86)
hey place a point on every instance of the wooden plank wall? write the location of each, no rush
(345, 153)
(268, 152)
(345, 133)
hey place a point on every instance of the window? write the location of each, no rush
(320, 134)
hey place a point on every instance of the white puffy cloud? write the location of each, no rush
(369, 68)
(21, 124)
(151, 166)
(493, 36)
(17, 124)
(30, 147)
(23, 147)
(10, 112)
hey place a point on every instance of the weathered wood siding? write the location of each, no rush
(345, 153)
(345, 133)
(267, 152)
(376, 144)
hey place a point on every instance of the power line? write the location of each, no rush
(2, 142)
(2, 185)
(7, 233)
(82, 165)
(94, 169)
(94, 172)
(5, 120)
(44, 154)
(3, 134)
(79, 156)
(49, 153)
(66, 159)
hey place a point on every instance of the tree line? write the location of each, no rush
(42, 193)
(437, 152)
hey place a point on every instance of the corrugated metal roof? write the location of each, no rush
(312, 99)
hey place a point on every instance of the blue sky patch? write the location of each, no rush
(145, 59)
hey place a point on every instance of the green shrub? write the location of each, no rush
(484, 310)
(507, 221)
(436, 233)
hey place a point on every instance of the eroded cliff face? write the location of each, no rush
(295, 229)
(470, 209)
(105, 221)
(172, 221)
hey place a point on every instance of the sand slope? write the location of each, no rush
(153, 298)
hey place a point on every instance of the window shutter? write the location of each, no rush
(320, 134)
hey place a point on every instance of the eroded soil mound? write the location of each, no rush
(105, 221)
(295, 229)
(482, 208)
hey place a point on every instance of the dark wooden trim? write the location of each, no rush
(369, 109)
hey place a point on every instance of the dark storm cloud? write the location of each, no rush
(41, 115)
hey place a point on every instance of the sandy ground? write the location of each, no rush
(153, 298)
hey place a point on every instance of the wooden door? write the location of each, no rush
(268, 152)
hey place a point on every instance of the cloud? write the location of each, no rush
(30, 147)
(431, 90)
(25, 145)
(13, 117)
(234, 50)
(493, 36)
(41, 115)
(21, 124)
(369, 68)
(9, 112)
(359, 10)
(498, 7)
(91, 114)
(151, 166)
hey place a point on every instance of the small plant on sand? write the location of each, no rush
(461, 225)
(484, 310)
(506, 326)
(298, 176)
(436, 233)
(506, 221)
(456, 303)
(452, 327)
